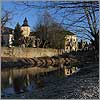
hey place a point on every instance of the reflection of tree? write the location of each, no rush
(18, 84)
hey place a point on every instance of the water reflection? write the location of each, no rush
(20, 79)
(28, 79)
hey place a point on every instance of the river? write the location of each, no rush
(22, 80)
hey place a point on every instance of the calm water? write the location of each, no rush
(14, 81)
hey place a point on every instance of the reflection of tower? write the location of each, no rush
(27, 76)
(10, 77)
(25, 28)
(10, 80)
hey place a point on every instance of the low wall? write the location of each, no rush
(28, 52)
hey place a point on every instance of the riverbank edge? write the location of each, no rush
(35, 61)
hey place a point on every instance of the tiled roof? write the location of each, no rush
(68, 33)
(7, 30)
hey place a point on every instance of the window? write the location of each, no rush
(68, 44)
(66, 47)
(73, 39)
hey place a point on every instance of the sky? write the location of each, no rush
(32, 15)
(20, 14)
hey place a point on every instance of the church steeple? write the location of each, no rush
(25, 22)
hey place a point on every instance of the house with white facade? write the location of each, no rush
(71, 42)
(7, 36)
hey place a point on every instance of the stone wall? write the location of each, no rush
(28, 52)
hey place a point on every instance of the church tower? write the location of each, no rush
(25, 28)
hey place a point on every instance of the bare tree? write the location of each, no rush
(78, 16)
(86, 22)
(6, 17)
(50, 32)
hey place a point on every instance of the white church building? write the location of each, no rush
(7, 34)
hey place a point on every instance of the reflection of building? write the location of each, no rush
(7, 36)
(70, 71)
(71, 42)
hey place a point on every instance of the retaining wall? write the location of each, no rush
(28, 52)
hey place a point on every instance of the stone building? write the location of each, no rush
(71, 42)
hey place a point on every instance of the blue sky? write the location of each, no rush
(32, 14)
(20, 14)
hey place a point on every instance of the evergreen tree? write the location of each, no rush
(17, 34)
